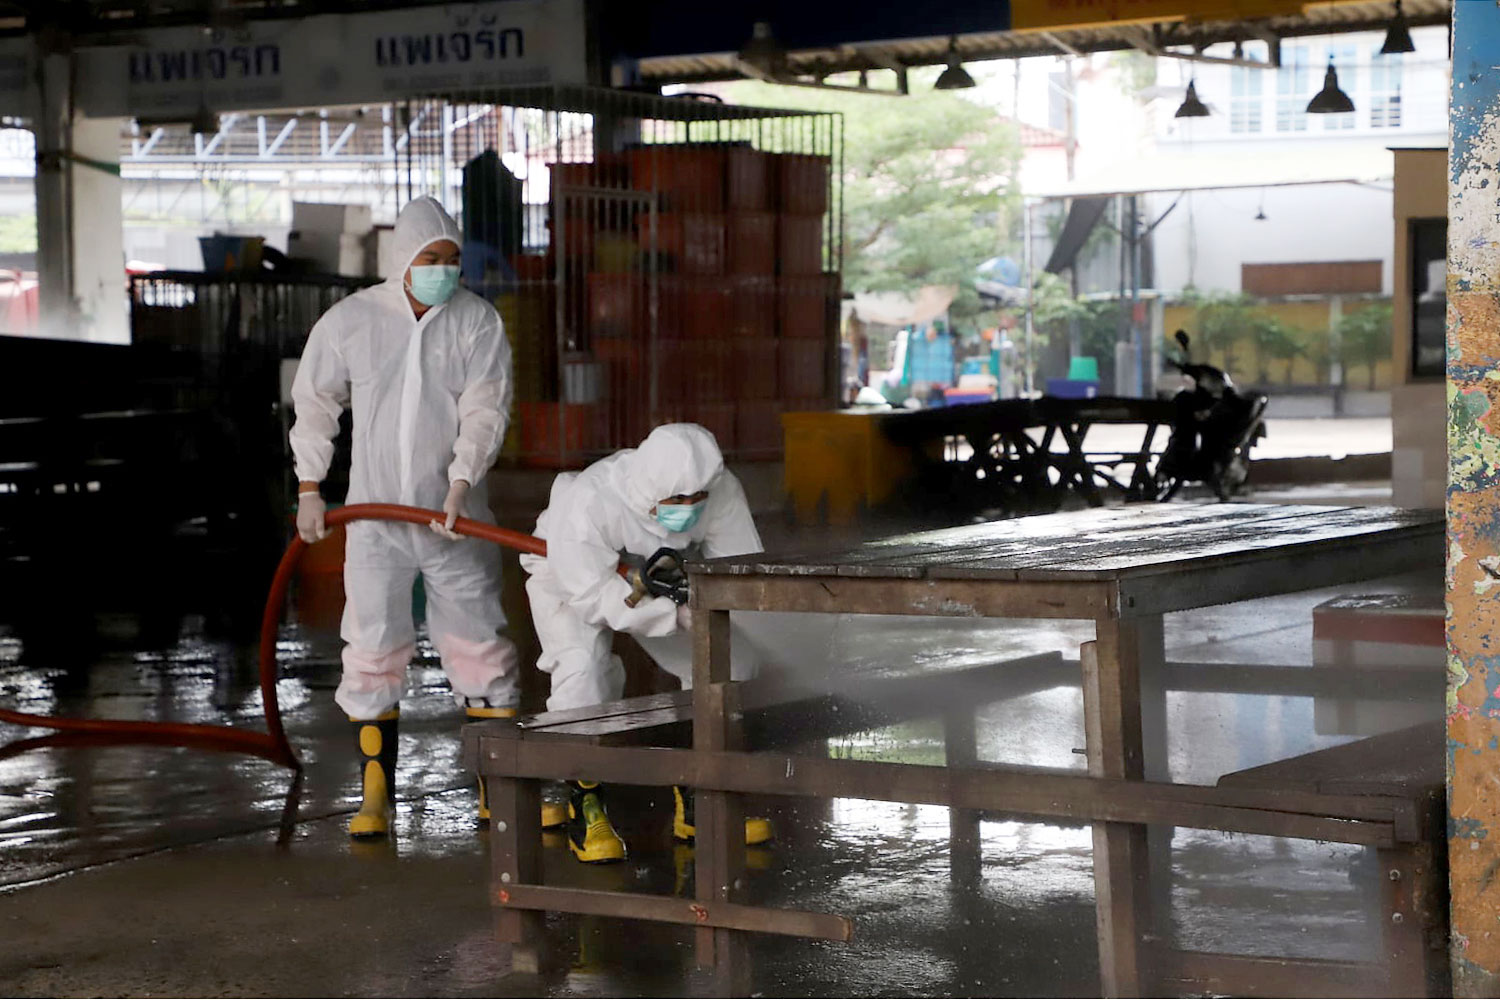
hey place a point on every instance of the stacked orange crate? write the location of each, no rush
(806, 295)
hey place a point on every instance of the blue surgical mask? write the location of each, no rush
(433, 284)
(679, 516)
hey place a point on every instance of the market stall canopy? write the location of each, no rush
(896, 309)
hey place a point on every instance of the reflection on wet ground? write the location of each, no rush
(133, 871)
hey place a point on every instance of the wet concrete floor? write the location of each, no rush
(169, 872)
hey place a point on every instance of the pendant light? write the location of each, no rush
(1330, 100)
(1397, 35)
(1191, 106)
(955, 77)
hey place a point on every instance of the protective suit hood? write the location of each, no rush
(675, 459)
(421, 223)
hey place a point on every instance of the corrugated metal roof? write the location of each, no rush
(1340, 17)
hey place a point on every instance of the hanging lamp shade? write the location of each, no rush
(764, 52)
(1397, 34)
(1191, 106)
(955, 77)
(1330, 100)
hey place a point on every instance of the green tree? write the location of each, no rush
(18, 234)
(1365, 338)
(1275, 340)
(927, 179)
(1223, 320)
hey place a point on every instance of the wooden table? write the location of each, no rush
(1123, 567)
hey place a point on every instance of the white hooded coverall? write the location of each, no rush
(430, 401)
(578, 598)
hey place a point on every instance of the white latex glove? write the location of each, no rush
(684, 617)
(453, 507)
(311, 511)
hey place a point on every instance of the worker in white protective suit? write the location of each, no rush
(673, 491)
(425, 367)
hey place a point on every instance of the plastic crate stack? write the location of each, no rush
(744, 312)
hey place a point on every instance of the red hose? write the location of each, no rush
(272, 744)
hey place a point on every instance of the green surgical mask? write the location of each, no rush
(433, 284)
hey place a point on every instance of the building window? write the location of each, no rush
(1385, 90)
(1291, 90)
(1342, 57)
(1245, 99)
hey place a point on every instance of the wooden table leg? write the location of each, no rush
(1112, 721)
(516, 857)
(1151, 643)
(720, 816)
(960, 749)
(1413, 912)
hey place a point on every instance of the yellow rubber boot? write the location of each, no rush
(591, 836)
(757, 829)
(554, 813)
(376, 739)
(478, 713)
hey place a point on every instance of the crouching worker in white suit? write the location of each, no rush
(425, 368)
(672, 491)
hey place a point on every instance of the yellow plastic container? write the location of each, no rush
(841, 459)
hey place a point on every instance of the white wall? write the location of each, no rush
(1211, 233)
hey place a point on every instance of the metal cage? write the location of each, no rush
(654, 258)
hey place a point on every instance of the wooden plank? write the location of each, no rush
(1046, 793)
(672, 910)
(948, 598)
(1201, 972)
(719, 814)
(516, 857)
(945, 543)
(1408, 763)
(1250, 574)
(1112, 714)
(625, 706)
(1150, 553)
(663, 726)
(1404, 932)
(1080, 552)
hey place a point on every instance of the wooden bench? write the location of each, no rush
(1407, 764)
(776, 715)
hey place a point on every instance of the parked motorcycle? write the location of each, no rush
(1212, 433)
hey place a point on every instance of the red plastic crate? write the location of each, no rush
(799, 244)
(693, 241)
(751, 243)
(803, 306)
(752, 310)
(553, 435)
(608, 171)
(688, 178)
(719, 418)
(747, 180)
(802, 368)
(697, 371)
(616, 305)
(757, 429)
(756, 368)
(802, 183)
(693, 307)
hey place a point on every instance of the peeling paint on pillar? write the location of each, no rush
(1473, 570)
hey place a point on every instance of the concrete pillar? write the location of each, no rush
(80, 223)
(1473, 572)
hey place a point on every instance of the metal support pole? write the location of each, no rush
(1473, 500)
(1028, 364)
(54, 127)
